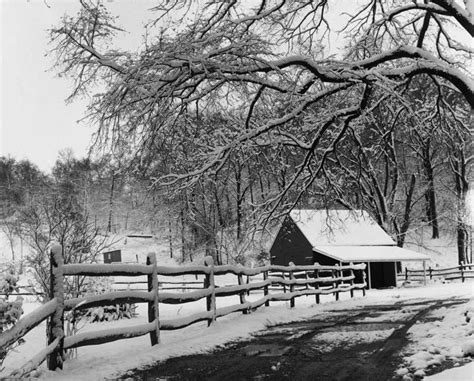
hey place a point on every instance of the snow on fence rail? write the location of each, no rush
(462, 271)
(293, 281)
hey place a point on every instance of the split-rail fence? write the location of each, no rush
(462, 272)
(289, 282)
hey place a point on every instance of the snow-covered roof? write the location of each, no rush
(340, 228)
(370, 253)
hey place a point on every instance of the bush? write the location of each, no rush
(75, 320)
(10, 312)
(109, 313)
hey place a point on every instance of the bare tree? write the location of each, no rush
(265, 64)
(457, 134)
(55, 217)
(10, 228)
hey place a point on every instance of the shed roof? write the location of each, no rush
(340, 228)
(370, 253)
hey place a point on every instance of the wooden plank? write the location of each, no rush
(36, 361)
(292, 286)
(113, 269)
(187, 297)
(55, 328)
(153, 311)
(211, 299)
(236, 270)
(110, 298)
(107, 335)
(174, 324)
(27, 323)
(265, 288)
(241, 293)
(424, 273)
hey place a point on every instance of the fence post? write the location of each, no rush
(316, 276)
(431, 272)
(265, 288)
(56, 321)
(335, 284)
(406, 274)
(292, 286)
(424, 273)
(351, 282)
(364, 281)
(211, 299)
(242, 293)
(153, 306)
(461, 266)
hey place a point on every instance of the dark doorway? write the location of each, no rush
(382, 274)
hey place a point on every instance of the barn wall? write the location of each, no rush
(291, 246)
(382, 274)
(323, 259)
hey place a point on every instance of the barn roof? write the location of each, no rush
(340, 227)
(370, 253)
(350, 236)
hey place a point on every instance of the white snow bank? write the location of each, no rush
(461, 373)
(450, 336)
(468, 348)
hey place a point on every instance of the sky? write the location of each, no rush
(35, 121)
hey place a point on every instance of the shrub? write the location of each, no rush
(10, 311)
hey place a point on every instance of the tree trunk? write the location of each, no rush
(111, 203)
(183, 229)
(238, 196)
(406, 217)
(462, 187)
(462, 242)
(170, 232)
(430, 195)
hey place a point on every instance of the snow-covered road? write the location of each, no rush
(357, 344)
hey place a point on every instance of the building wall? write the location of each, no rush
(382, 274)
(323, 259)
(291, 245)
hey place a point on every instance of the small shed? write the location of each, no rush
(330, 237)
(113, 256)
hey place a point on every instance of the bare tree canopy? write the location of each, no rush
(264, 65)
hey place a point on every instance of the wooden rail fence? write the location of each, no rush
(291, 282)
(462, 271)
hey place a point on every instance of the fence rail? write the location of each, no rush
(290, 282)
(462, 271)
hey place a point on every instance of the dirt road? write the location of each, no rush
(357, 344)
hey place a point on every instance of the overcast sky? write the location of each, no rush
(35, 121)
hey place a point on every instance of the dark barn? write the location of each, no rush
(340, 237)
(113, 256)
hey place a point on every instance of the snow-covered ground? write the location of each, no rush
(460, 373)
(447, 333)
(432, 342)
(449, 338)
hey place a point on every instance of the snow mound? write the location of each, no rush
(468, 348)
(433, 342)
(461, 373)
